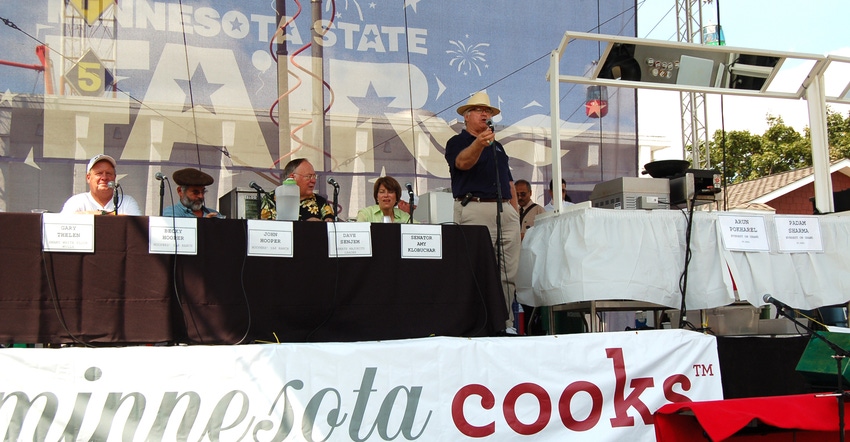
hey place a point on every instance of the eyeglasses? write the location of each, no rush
(522, 193)
(311, 176)
(483, 110)
(197, 192)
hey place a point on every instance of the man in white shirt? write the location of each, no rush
(100, 199)
(567, 200)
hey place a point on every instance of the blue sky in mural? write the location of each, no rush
(456, 48)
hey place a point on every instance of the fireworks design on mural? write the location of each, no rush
(468, 58)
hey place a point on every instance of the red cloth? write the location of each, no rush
(720, 420)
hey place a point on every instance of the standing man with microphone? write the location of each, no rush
(483, 188)
(103, 196)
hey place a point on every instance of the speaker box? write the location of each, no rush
(817, 364)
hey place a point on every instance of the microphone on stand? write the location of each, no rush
(779, 304)
(333, 182)
(114, 186)
(161, 178)
(410, 203)
(256, 187)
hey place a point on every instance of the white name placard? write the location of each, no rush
(270, 238)
(346, 240)
(173, 235)
(745, 233)
(420, 241)
(67, 233)
(798, 234)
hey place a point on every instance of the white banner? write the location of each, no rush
(594, 387)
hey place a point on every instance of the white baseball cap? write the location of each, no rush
(98, 158)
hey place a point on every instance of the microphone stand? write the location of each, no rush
(161, 194)
(410, 204)
(259, 205)
(115, 198)
(336, 199)
(500, 250)
(839, 354)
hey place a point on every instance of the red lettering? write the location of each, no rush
(595, 409)
(671, 395)
(487, 403)
(510, 408)
(621, 404)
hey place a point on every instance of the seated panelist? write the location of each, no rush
(191, 189)
(100, 199)
(387, 192)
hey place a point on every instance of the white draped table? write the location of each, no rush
(638, 255)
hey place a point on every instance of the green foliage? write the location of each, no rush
(781, 148)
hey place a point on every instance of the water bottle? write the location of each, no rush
(287, 200)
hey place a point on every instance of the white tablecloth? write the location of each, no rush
(604, 254)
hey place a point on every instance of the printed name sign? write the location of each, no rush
(798, 234)
(421, 241)
(743, 233)
(67, 233)
(347, 240)
(173, 236)
(270, 238)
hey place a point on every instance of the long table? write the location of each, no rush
(603, 254)
(123, 294)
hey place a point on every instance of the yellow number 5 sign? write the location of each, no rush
(88, 76)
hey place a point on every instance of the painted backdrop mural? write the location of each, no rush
(362, 89)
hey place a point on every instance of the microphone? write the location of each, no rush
(333, 182)
(256, 187)
(409, 189)
(113, 185)
(771, 300)
(492, 129)
(159, 176)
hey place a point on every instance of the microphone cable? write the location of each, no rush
(54, 295)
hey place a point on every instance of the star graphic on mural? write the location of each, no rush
(7, 97)
(198, 90)
(371, 105)
(236, 25)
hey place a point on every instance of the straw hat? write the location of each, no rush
(479, 99)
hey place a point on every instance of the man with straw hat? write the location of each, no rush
(483, 188)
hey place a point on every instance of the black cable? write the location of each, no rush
(54, 295)
(242, 284)
(335, 286)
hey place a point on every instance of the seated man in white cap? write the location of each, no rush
(191, 189)
(101, 197)
(483, 188)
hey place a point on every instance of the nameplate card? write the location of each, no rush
(67, 233)
(347, 240)
(420, 241)
(270, 238)
(173, 236)
(798, 234)
(743, 233)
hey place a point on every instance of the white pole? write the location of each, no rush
(816, 101)
(555, 109)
